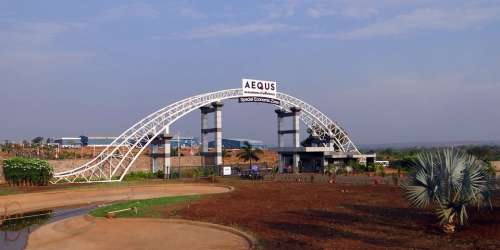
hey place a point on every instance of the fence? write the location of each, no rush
(208, 170)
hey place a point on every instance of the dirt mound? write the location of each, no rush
(86, 232)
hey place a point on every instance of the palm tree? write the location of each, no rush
(449, 180)
(331, 171)
(196, 173)
(226, 153)
(249, 153)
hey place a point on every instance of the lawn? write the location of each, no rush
(149, 208)
(8, 190)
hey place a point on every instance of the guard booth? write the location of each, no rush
(311, 155)
(315, 159)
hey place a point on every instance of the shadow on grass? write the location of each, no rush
(377, 226)
(330, 233)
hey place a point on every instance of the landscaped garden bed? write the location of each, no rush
(326, 216)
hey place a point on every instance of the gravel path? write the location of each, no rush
(86, 232)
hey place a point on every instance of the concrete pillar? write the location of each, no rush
(280, 163)
(296, 137)
(204, 135)
(154, 148)
(296, 161)
(167, 166)
(218, 132)
(280, 127)
(296, 127)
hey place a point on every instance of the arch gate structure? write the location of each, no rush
(113, 163)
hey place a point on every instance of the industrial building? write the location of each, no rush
(237, 143)
(76, 142)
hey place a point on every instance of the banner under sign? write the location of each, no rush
(259, 99)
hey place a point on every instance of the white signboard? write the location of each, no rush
(260, 88)
(226, 171)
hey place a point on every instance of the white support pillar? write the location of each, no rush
(280, 127)
(154, 148)
(204, 135)
(215, 108)
(296, 138)
(218, 132)
(281, 143)
(296, 128)
(280, 163)
(167, 166)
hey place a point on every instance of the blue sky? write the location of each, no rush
(388, 71)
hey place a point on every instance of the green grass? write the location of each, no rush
(150, 208)
(7, 191)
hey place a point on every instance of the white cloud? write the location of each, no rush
(278, 9)
(422, 107)
(360, 13)
(142, 10)
(225, 30)
(185, 11)
(34, 32)
(36, 59)
(27, 49)
(356, 12)
(421, 19)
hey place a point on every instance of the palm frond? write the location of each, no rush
(452, 180)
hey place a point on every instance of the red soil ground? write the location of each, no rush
(324, 216)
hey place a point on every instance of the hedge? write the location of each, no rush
(24, 171)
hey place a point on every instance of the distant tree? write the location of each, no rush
(51, 151)
(249, 153)
(7, 147)
(174, 151)
(226, 153)
(312, 140)
(37, 141)
(84, 140)
(331, 170)
(485, 153)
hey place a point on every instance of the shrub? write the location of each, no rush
(160, 174)
(19, 171)
(139, 175)
(194, 173)
(358, 167)
(379, 169)
(450, 181)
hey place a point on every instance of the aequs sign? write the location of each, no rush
(259, 88)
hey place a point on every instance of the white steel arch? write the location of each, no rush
(115, 160)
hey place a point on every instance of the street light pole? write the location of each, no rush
(179, 152)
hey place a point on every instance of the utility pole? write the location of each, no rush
(179, 152)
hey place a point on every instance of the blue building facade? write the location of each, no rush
(76, 142)
(237, 143)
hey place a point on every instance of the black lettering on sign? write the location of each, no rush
(259, 100)
(260, 85)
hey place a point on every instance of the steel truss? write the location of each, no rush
(115, 160)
